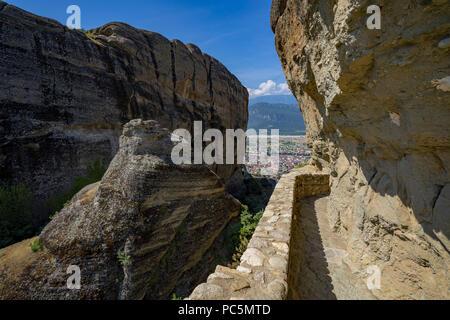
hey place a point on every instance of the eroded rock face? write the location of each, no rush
(161, 217)
(376, 106)
(64, 96)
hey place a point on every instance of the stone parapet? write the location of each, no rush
(263, 271)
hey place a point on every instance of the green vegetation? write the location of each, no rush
(15, 214)
(95, 169)
(249, 222)
(164, 210)
(220, 260)
(35, 245)
(242, 233)
(123, 257)
(239, 251)
(53, 216)
(301, 165)
(174, 297)
(89, 34)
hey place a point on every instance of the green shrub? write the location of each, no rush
(174, 297)
(232, 237)
(89, 34)
(239, 251)
(249, 222)
(16, 221)
(241, 235)
(95, 169)
(53, 216)
(123, 257)
(35, 245)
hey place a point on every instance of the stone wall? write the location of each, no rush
(263, 272)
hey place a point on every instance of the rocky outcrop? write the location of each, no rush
(376, 106)
(133, 235)
(65, 94)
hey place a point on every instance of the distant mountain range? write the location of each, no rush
(286, 99)
(285, 117)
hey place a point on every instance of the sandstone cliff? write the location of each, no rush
(64, 96)
(376, 104)
(133, 235)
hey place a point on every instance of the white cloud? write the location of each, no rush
(269, 88)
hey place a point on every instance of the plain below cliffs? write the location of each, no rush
(376, 106)
(65, 95)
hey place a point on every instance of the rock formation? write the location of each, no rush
(133, 235)
(376, 105)
(65, 94)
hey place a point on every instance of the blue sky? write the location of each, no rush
(236, 32)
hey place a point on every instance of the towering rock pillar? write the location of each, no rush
(132, 235)
(65, 95)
